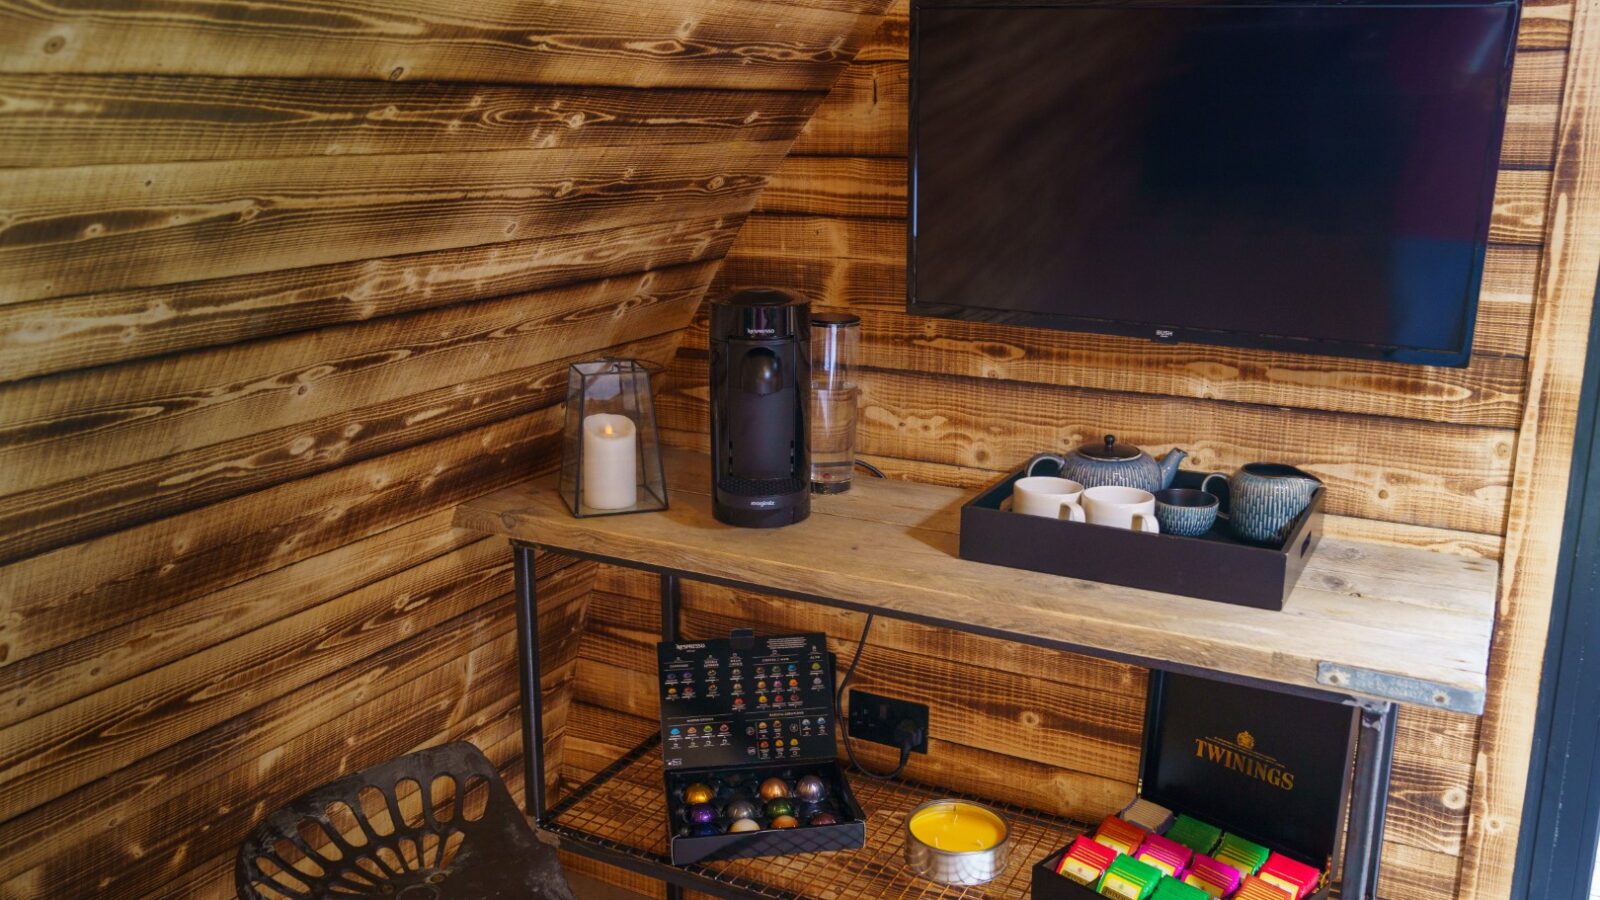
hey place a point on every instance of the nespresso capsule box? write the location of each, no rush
(735, 714)
(1268, 766)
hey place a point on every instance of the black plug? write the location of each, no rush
(908, 735)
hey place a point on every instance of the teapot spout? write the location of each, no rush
(1169, 466)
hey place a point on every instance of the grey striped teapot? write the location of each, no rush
(1114, 463)
(1265, 498)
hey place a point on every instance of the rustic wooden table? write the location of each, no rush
(1368, 625)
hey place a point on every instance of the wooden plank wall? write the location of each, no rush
(1412, 455)
(279, 286)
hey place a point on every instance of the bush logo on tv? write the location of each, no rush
(1240, 755)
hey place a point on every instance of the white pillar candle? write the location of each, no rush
(610, 462)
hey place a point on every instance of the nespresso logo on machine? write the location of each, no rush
(759, 332)
(1240, 755)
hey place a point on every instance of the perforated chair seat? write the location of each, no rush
(438, 824)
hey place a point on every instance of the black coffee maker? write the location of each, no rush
(760, 388)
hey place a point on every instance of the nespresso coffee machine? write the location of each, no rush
(760, 385)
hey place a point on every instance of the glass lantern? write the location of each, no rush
(610, 452)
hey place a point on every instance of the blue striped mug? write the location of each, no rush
(1264, 499)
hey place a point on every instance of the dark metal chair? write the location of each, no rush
(433, 825)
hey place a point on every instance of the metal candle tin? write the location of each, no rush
(966, 867)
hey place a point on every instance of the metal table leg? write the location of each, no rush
(528, 671)
(1369, 801)
(670, 594)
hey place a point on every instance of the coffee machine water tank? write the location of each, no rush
(760, 387)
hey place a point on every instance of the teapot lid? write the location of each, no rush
(1111, 450)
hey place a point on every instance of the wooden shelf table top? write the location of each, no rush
(1366, 620)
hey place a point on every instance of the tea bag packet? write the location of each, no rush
(1194, 834)
(1244, 855)
(1293, 876)
(1129, 879)
(1215, 878)
(1121, 836)
(1169, 856)
(1254, 888)
(1150, 816)
(1169, 888)
(1086, 860)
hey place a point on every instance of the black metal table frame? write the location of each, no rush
(1373, 753)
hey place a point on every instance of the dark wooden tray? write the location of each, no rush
(1214, 566)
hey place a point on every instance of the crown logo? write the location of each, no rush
(1247, 740)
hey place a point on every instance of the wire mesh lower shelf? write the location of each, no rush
(619, 816)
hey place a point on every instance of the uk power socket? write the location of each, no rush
(877, 719)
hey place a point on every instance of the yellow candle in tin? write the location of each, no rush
(958, 827)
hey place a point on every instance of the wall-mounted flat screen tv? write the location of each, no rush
(1314, 177)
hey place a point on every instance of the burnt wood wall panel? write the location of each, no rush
(1417, 456)
(279, 287)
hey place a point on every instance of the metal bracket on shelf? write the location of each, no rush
(1399, 688)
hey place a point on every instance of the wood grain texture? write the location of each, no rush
(790, 45)
(71, 745)
(63, 334)
(329, 262)
(1564, 306)
(69, 595)
(74, 120)
(297, 433)
(451, 651)
(95, 228)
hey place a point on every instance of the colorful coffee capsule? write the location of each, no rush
(779, 807)
(698, 793)
(1167, 855)
(774, 788)
(810, 788)
(1129, 879)
(1215, 878)
(1149, 816)
(1194, 834)
(807, 810)
(1123, 837)
(822, 818)
(1254, 888)
(1245, 855)
(1086, 860)
(743, 825)
(1292, 875)
(1170, 888)
(785, 822)
(702, 813)
(741, 809)
(705, 829)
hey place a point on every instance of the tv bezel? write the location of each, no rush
(1452, 357)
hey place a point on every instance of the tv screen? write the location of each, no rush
(1313, 177)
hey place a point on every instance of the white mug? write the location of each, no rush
(1052, 498)
(1121, 507)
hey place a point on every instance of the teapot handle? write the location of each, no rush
(1060, 463)
(1225, 484)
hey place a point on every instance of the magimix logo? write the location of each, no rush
(1241, 756)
